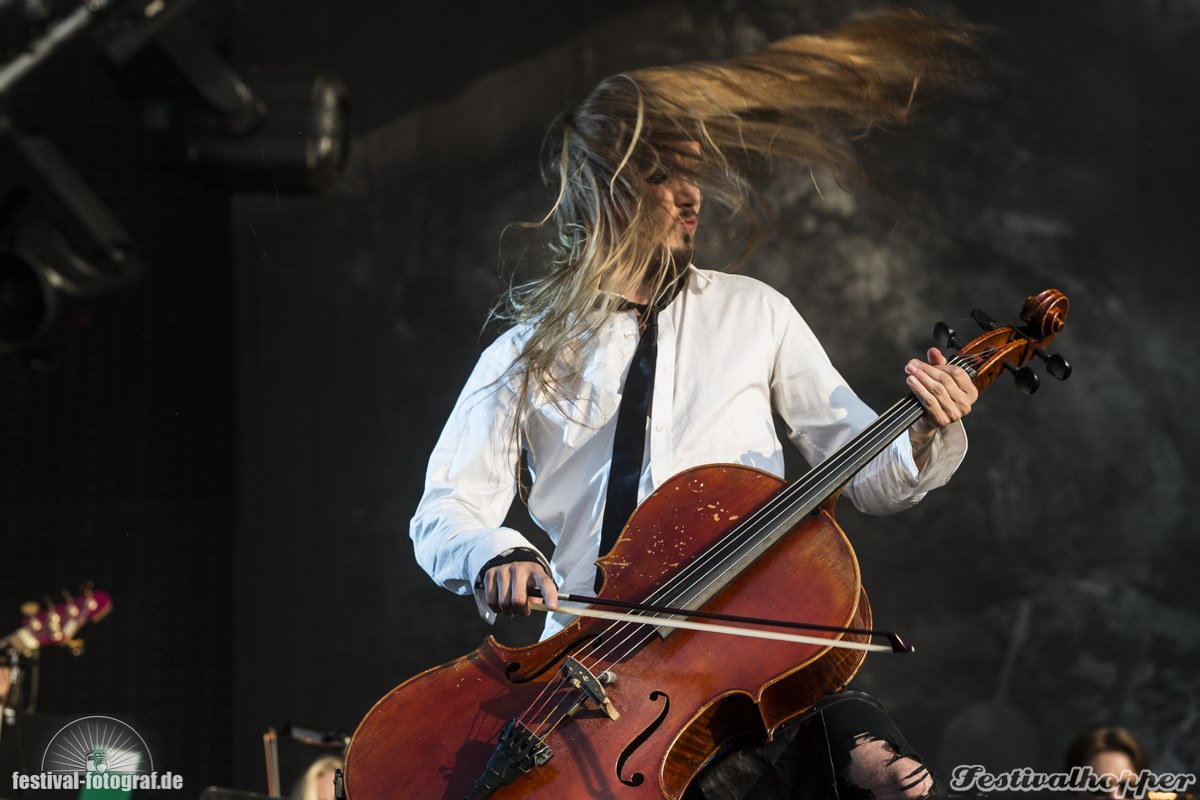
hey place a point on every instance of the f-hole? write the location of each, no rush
(637, 778)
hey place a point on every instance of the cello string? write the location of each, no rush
(552, 687)
(744, 533)
(749, 530)
(542, 700)
(627, 633)
(872, 436)
(751, 527)
(566, 701)
(876, 437)
(703, 568)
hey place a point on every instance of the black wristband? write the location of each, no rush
(509, 556)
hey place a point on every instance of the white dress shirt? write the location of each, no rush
(730, 349)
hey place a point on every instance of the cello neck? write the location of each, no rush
(694, 586)
(828, 478)
(824, 482)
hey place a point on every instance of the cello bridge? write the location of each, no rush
(582, 679)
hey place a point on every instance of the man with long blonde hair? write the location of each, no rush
(626, 364)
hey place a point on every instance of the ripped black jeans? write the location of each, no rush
(845, 747)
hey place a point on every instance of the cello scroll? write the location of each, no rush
(1011, 348)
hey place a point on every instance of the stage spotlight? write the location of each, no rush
(300, 144)
(62, 255)
(267, 130)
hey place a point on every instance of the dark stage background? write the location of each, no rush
(235, 456)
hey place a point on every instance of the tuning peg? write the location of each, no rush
(944, 335)
(29, 608)
(1056, 365)
(982, 318)
(1026, 379)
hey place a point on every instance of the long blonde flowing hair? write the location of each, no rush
(803, 100)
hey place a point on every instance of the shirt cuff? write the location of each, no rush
(947, 451)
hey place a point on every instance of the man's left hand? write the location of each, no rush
(946, 392)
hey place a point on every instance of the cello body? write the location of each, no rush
(679, 696)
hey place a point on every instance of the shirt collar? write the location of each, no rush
(702, 278)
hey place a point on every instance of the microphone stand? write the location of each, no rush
(9, 699)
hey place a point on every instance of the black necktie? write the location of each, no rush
(629, 441)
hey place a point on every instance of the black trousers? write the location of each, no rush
(809, 757)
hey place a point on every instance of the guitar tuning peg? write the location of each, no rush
(1026, 379)
(944, 335)
(1056, 365)
(72, 606)
(29, 608)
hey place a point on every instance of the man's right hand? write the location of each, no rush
(505, 587)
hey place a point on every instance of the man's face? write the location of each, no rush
(676, 200)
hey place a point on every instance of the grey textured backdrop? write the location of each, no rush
(359, 315)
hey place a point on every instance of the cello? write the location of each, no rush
(634, 705)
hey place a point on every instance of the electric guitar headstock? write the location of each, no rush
(58, 624)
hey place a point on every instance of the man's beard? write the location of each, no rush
(682, 256)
